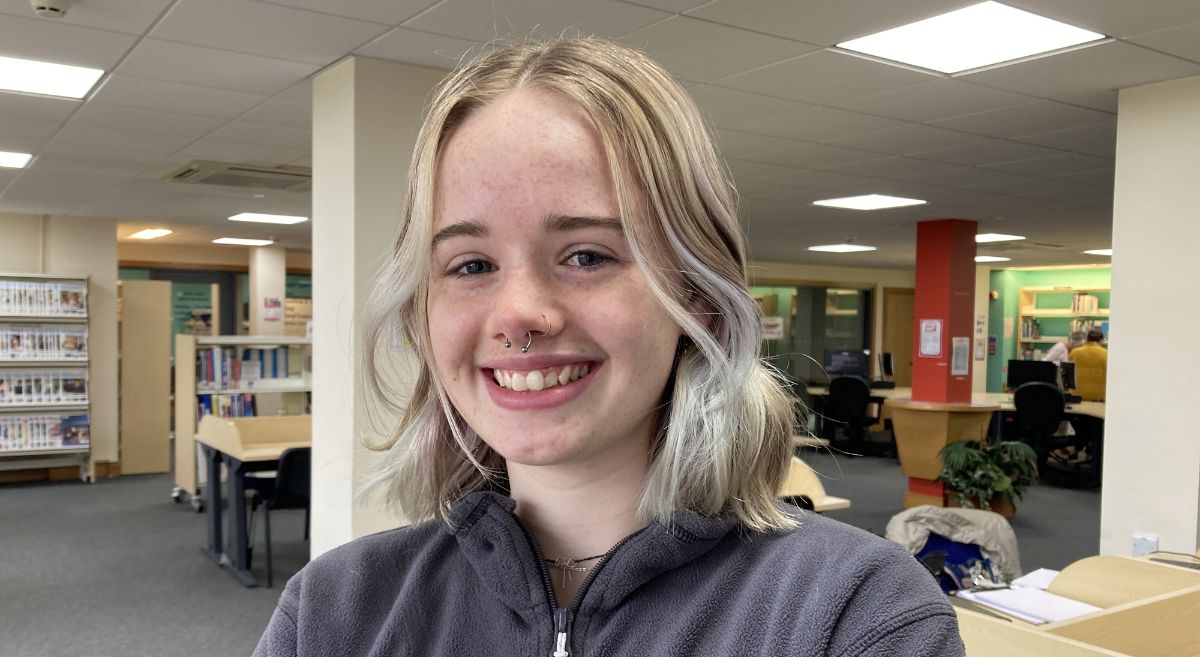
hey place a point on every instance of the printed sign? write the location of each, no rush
(272, 309)
(772, 327)
(931, 338)
(960, 356)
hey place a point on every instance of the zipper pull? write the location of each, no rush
(562, 629)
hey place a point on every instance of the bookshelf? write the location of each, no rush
(1048, 314)
(233, 376)
(45, 414)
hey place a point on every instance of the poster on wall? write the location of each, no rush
(960, 356)
(272, 309)
(931, 338)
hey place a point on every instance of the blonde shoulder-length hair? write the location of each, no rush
(724, 437)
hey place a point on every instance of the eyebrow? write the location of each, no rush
(551, 224)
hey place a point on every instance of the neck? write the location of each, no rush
(581, 510)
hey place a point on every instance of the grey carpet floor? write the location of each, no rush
(115, 569)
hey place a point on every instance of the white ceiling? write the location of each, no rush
(1026, 148)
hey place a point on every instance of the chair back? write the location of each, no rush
(293, 479)
(849, 397)
(1040, 409)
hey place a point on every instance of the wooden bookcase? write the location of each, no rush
(1052, 306)
(45, 412)
(272, 395)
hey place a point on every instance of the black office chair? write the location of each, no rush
(290, 488)
(848, 407)
(1041, 409)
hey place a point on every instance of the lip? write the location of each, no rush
(541, 399)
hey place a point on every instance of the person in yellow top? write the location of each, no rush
(1091, 367)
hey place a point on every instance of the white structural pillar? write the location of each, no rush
(1152, 456)
(366, 114)
(268, 285)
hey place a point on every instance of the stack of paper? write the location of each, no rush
(1029, 604)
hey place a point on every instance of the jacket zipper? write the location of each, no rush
(564, 617)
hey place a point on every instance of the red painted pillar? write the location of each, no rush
(943, 305)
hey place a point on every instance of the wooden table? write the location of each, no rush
(1004, 399)
(803, 480)
(243, 445)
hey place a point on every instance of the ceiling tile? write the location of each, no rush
(232, 151)
(27, 128)
(85, 135)
(249, 132)
(727, 106)
(956, 176)
(910, 139)
(21, 144)
(100, 156)
(823, 23)
(265, 29)
(812, 179)
(1114, 17)
(389, 12)
(143, 120)
(419, 48)
(817, 124)
(810, 155)
(933, 100)
(1113, 65)
(991, 152)
(282, 111)
(1099, 139)
(521, 19)
(1104, 100)
(96, 163)
(1041, 116)
(824, 77)
(38, 108)
(746, 171)
(206, 67)
(127, 91)
(1182, 41)
(1097, 178)
(1055, 165)
(46, 41)
(669, 5)
(684, 46)
(128, 16)
(740, 144)
(893, 167)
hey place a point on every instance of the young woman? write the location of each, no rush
(593, 446)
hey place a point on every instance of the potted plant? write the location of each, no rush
(988, 475)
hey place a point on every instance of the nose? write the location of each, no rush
(526, 309)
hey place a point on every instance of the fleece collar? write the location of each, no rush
(495, 544)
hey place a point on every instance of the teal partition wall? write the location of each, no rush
(1007, 283)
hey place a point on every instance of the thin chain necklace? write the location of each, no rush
(568, 566)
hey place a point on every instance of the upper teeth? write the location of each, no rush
(539, 379)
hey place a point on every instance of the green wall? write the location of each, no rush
(1008, 283)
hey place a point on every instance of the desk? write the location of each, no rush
(243, 445)
(1004, 399)
(802, 480)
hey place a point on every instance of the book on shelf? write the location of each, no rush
(19, 387)
(1085, 325)
(239, 405)
(1085, 303)
(1030, 329)
(43, 342)
(44, 431)
(220, 368)
(25, 297)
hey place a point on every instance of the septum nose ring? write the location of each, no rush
(529, 336)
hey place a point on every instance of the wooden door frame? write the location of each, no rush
(912, 291)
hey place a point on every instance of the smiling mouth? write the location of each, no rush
(543, 379)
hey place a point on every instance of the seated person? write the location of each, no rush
(1091, 367)
(1062, 351)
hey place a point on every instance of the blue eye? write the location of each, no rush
(588, 259)
(474, 268)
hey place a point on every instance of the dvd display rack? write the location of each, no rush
(45, 415)
(233, 376)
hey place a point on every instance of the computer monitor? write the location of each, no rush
(1028, 371)
(1066, 375)
(847, 362)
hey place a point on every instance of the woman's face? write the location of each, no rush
(527, 229)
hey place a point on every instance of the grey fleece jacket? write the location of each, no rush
(695, 586)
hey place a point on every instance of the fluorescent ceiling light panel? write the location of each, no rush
(997, 237)
(841, 248)
(11, 160)
(261, 218)
(991, 259)
(28, 76)
(869, 202)
(1100, 252)
(972, 37)
(242, 242)
(151, 233)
